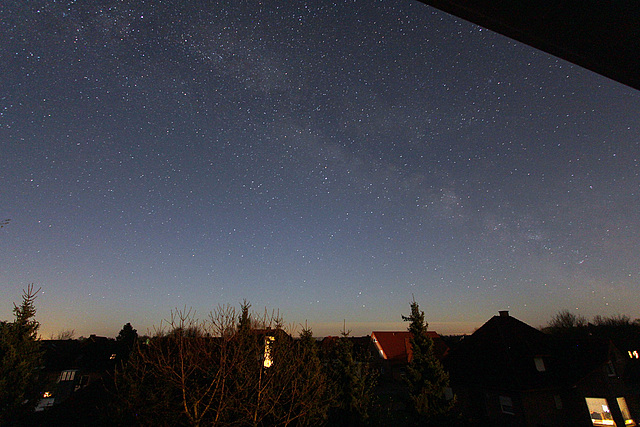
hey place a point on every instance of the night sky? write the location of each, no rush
(328, 160)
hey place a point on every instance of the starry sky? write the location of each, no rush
(330, 160)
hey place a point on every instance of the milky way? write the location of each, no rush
(330, 160)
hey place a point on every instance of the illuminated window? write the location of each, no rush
(626, 415)
(599, 411)
(112, 357)
(634, 354)
(67, 376)
(539, 364)
(268, 344)
(506, 405)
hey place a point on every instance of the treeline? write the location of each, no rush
(234, 368)
(237, 368)
(616, 327)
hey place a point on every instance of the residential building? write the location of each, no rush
(508, 373)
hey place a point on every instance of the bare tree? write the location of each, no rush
(235, 368)
(64, 335)
(567, 324)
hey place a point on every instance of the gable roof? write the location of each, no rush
(395, 346)
(502, 353)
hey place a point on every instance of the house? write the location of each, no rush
(392, 351)
(508, 373)
(71, 365)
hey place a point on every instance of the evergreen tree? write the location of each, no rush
(244, 320)
(353, 384)
(426, 378)
(126, 340)
(307, 399)
(20, 359)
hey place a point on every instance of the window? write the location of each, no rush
(268, 345)
(599, 411)
(448, 393)
(67, 376)
(611, 370)
(558, 401)
(539, 361)
(506, 405)
(624, 409)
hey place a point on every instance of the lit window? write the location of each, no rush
(599, 411)
(67, 376)
(113, 357)
(506, 405)
(634, 354)
(539, 364)
(268, 344)
(622, 404)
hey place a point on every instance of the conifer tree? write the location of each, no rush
(127, 339)
(309, 399)
(353, 384)
(20, 359)
(426, 378)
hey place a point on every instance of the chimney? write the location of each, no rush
(504, 313)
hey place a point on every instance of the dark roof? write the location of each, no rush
(91, 354)
(396, 345)
(502, 354)
(60, 354)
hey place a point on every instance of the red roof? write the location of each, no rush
(396, 346)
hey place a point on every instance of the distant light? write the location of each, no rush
(268, 345)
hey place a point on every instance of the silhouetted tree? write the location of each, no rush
(566, 323)
(20, 359)
(426, 379)
(297, 384)
(309, 400)
(127, 338)
(177, 378)
(352, 385)
(65, 335)
(616, 321)
(232, 369)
